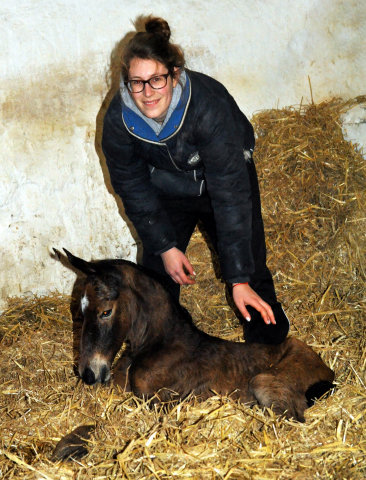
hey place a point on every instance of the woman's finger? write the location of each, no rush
(185, 279)
(244, 312)
(269, 312)
(264, 309)
(187, 264)
(180, 276)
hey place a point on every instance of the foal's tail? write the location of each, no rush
(318, 390)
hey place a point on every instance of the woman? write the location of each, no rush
(179, 150)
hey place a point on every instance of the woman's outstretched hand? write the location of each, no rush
(176, 265)
(244, 295)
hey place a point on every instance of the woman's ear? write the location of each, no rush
(176, 76)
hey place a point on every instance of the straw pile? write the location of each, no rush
(312, 184)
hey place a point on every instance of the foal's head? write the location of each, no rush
(119, 302)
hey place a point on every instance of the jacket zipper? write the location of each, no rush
(171, 158)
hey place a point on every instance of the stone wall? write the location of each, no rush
(55, 59)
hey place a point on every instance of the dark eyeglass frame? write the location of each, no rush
(165, 75)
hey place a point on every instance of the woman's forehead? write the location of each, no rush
(144, 69)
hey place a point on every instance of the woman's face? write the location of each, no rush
(152, 103)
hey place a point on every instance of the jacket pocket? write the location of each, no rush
(178, 184)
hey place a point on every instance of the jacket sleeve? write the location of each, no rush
(130, 179)
(223, 135)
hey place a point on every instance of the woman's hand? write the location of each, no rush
(244, 295)
(176, 264)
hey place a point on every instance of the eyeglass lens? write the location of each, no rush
(136, 86)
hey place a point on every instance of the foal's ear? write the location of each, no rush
(80, 264)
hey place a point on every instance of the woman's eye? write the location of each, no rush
(135, 82)
(106, 313)
(156, 79)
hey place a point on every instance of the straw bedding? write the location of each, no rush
(313, 200)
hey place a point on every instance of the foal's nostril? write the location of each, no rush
(104, 374)
(88, 376)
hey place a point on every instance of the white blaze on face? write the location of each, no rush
(84, 303)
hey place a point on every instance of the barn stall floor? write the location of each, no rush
(313, 195)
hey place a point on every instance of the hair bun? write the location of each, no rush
(158, 26)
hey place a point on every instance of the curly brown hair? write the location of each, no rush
(153, 44)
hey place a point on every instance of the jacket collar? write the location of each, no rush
(137, 124)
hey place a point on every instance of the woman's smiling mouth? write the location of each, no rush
(151, 103)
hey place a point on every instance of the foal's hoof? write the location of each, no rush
(73, 444)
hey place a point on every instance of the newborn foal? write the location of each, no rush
(170, 357)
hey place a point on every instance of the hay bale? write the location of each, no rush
(312, 184)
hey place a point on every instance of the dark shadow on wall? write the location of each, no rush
(113, 78)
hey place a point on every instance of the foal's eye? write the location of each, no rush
(106, 313)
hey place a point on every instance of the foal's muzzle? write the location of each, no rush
(88, 376)
(94, 371)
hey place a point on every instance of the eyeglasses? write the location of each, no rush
(157, 82)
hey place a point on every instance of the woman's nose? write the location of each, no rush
(148, 90)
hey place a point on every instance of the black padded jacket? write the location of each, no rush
(202, 146)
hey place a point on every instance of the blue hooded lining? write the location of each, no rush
(137, 126)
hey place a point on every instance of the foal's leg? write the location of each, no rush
(121, 371)
(272, 392)
(283, 387)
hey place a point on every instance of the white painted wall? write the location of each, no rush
(54, 59)
(354, 127)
